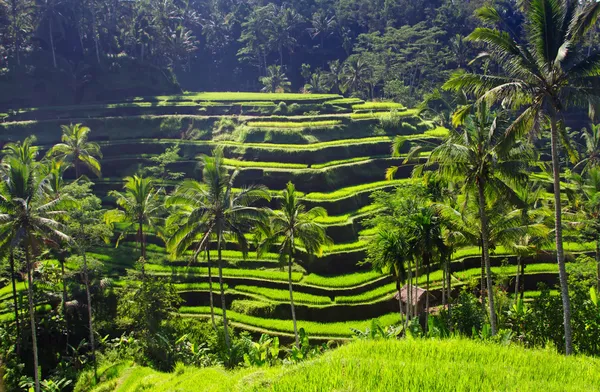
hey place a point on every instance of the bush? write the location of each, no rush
(281, 108)
(467, 314)
(253, 308)
(171, 125)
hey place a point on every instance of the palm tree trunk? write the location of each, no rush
(444, 285)
(210, 288)
(449, 286)
(517, 277)
(89, 309)
(399, 289)
(14, 289)
(598, 265)
(482, 280)
(223, 304)
(560, 255)
(36, 375)
(427, 261)
(142, 242)
(486, 255)
(522, 288)
(64, 298)
(290, 257)
(52, 43)
(407, 299)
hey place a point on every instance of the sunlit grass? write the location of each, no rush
(352, 190)
(340, 281)
(284, 295)
(378, 106)
(294, 124)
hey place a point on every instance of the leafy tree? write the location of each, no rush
(227, 212)
(480, 158)
(28, 217)
(543, 73)
(293, 226)
(140, 205)
(275, 81)
(76, 149)
(355, 74)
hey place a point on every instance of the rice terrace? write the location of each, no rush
(405, 196)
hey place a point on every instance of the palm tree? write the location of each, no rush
(586, 201)
(28, 216)
(190, 227)
(294, 226)
(481, 158)
(541, 74)
(140, 205)
(276, 81)
(227, 212)
(388, 253)
(25, 151)
(591, 152)
(355, 74)
(76, 149)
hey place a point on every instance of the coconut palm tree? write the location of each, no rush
(276, 81)
(190, 227)
(355, 74)
(77, 150)
(388, 254)
(293, 226)
(540, 74)
(29, 217)
(227, 212)
(140, 205)
(25, 151)
(481, 158)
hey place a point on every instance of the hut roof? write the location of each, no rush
(417, 294)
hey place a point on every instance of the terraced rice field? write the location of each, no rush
(337, 159)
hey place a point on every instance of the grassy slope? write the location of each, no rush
(413, 365)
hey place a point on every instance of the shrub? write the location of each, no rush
(281, 108)
(467, 314)
(171, 125)
(253, 308)
(225, 125)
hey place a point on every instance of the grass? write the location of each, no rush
(440, 132)
(377, 115)
(471, 251)
(269, 165)
(346, 101)
(378, 106)
(248, 96)
(381, 366)
(346, 218)
(284, 295)
(293, 124)
(370, 296)
(341, 281)
(312, 328)
(227, 272)
(350, 191)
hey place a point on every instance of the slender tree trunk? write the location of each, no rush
(560, 256)
(407, 299)
(290, 257)
(522, 287)
(36, 375)
(486, 255)
(52, 42)
(86, 277)
(223, 303)
(77, 168)
(449, 285)
(399, 289)
(210, 288)
(517, 277)
(427, 262)
(14, 289)
(142, 242)
(482, 280)
(64, 297)
(598, 265)
(444, 285)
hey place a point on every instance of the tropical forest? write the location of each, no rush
(309, 195)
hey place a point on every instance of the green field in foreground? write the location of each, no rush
(400, 365)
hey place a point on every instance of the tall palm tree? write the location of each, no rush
(276, 81)
(190, 227)
(227, 212)
(28, 216)
(76, 149)
(591, 149)
(25, 151)
(140, 206)
(293, 226)
(355, 74)
(541, 75)
(481, 158)
(389, 254)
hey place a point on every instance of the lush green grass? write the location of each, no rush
(339, 329)
(440, 132)
(383, 366)
(381, 292)
(471, 251)
(377, 115)
(346, 101)
(284, 295)
(293, 124)
(269, 165)
(344, 219)
(350, 191)
(340, 281)
(378, 106)
(227, 272)
(247, 96)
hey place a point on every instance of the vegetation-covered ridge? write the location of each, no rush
(460, 364)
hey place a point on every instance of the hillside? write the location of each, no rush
(334, 149)
(407, 365)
